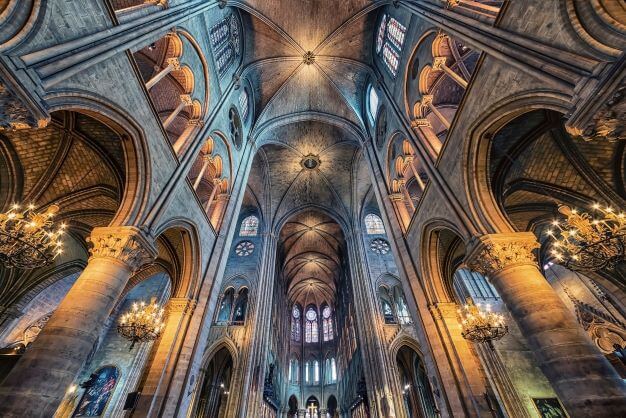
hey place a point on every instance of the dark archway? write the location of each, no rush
(216, 386)
(417, 393)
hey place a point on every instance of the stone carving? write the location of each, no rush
(13, 114)
(495, 252)
(607, 123)
(184, 305)
(32, 331)
(127, 244)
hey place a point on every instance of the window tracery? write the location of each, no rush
(296, 327)
(311, 330)
(225, 41)
(389, 42)
(244, 104)
(244, 249)
(380, 246)
(327, 324)
(373, 224)
(249, 227)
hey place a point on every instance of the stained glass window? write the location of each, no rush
(379, 246)
(293, 370)
(243, 104)
(333, 370)
(307, 374)
(295, 323)
(311, 333)
(380, 37)
(391, 59)
(226, 306)
(372, 106)
(389, 42)
(241, 305)
(396, 32)
(244, 248)
(373, 224)
(327, 324)
(225, 41)
(249, 227)
(316, 371)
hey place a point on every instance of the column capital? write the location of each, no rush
(420, 123)
(444, 310)
(491, 253)
(128, 244)
(180, 305)
(174, 63)
(439, 63)
(186, 99)
(427, 99)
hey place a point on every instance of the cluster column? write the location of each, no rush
(36, 385)
(581, 376)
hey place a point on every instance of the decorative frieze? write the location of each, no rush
(126, 244)
(494, 252)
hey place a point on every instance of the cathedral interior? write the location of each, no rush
(302, 209)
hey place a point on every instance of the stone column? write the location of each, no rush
(221, 201)
(427, 100)
(189, 133)
(582, 377)
(157, 377)
(424, 131)
(301, 413)
(206, 159)
(410, 161)
(185, 100)
(403, 213)
(439, 63)
(37, 384)
(172, 65)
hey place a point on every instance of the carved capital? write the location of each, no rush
(420, 123)
(427, 99)
(439, 63)
(127, 244)
(196, 122)
(14, 114)
(607, 123)
(186, 99)
(490, 254)
(444, 310)
(174, 63)
(181, 305)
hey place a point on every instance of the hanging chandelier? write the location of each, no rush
(481, 326)
(584, 242)
(143, 323)
(28, 239)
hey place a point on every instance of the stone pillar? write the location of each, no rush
(37, 384)
(439, 63)
(403, 213)
(221, 201)
(181, 143)
(301, 413)
(424, 131)
(185, 100)
(427, 100)
(582, 377)
(164, 354)
(172, 65)
(206, 159)
(410, 161)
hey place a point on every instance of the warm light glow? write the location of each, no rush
(144, 322)
(584, 242)
(28, 239)
(482, 326)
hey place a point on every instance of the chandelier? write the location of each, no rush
(584, 242)
(143, 323)
(481, 326)
(28, 239)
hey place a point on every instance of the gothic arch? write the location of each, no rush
(135, 145)
(442, 252)
(483, 205)
(188, 268)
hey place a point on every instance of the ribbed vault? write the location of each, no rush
(311, 245)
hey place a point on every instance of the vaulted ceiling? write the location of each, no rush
(307, 109)
(311, 245)
(309, 124)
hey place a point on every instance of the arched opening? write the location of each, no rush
(213, 400)
(418, 398)
(293, 407)
(332, 407)
(312, 408)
